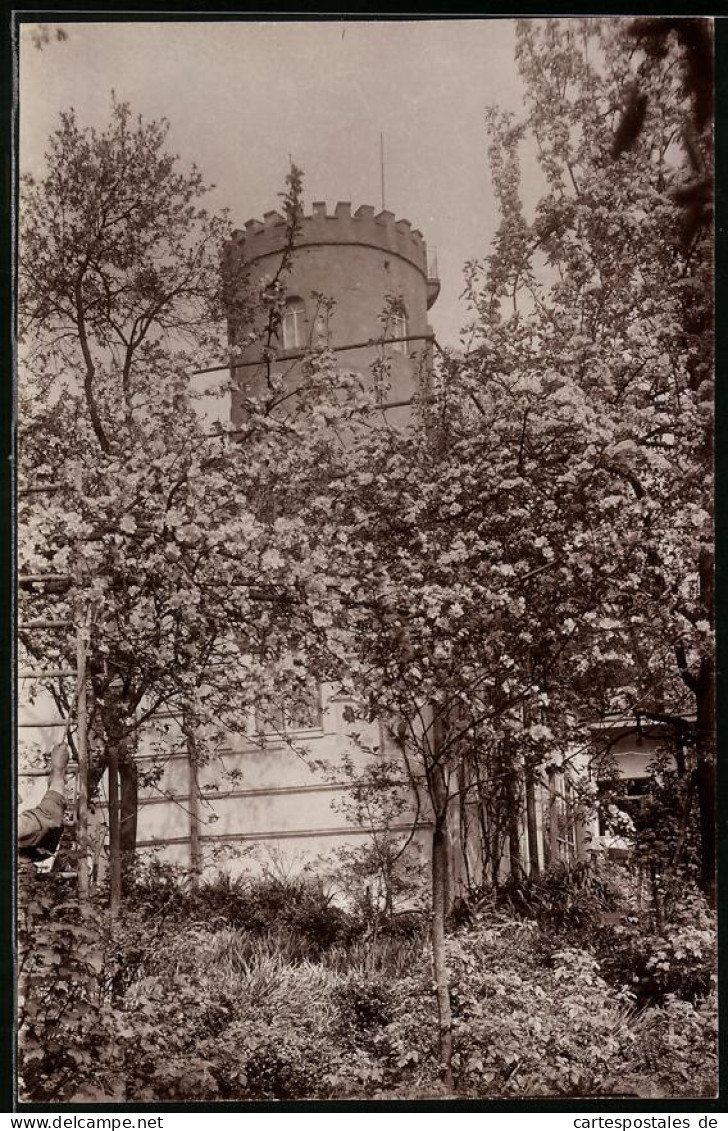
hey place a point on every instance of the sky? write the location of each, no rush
(241, 97)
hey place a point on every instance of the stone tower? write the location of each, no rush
(367, 264)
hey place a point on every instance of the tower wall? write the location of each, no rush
(355, 260)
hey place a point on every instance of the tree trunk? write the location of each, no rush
(114, 832)
(82, 863)
(194, 811)
(483, 827)
(129, 809)
(513, 824)
(129, 779)
(497, 844)
(439, 796)
(532, 825)
(463, 879)
(439, 960)
(553, 821)
(705, 779)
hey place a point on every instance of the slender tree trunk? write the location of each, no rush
(194, 811)
(82, 748)
(553, 821)
(463, 878)
(439, 961)
(483, 829)
(705, 779)
(129, 810)
(513, 824)
(497, 844)
(532, 824)
(439, 795)
(129, 780)
(114, 832)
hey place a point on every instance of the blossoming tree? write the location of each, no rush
(202, 601)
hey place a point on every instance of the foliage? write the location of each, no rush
(597, 302)
(533, 548)
(382, 876)
(560, 899)
(294, 915)
(649, 969)
(365, 1004)
(667, 832)
(213, 1014)
(522, 1029)
(267, 906)
(534, 551)
(300, 906)
(675, 1049)
(66, 1031)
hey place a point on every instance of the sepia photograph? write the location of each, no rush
(366, 708)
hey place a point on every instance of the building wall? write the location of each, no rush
(263, 803)
(285, 803)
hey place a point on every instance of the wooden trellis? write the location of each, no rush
(78, 708)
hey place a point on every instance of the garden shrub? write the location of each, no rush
(190, 1013)
(648, 968)
(677, 1046)
(393, 957)
(411, 924)
(673, 1052)
(560, 899)
(522, 1030)
(270, 1073)
(264, 906)
(365, 1004)
(66, 1024)
(161, 890)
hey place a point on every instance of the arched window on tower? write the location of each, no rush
(293, 329)
(399, 331)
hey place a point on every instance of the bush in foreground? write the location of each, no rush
(237, 1013)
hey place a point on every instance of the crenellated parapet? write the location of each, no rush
(365, 227)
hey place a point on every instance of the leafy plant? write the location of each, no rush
(66, 1024)
(561, 899)
(650, 969)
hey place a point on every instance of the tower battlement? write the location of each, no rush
(365, 227)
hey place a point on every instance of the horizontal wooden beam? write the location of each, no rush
(30, 578)
(52, 673)
(37, 624)
(211, 794)
(288, 834)
(44, 489)
(49, 723)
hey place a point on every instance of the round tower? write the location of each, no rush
(377, 273)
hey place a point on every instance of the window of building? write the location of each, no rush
(566, 824)
(293, 330)
(304, 714)
(559, 820)
(398, 329)
(631, 795)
